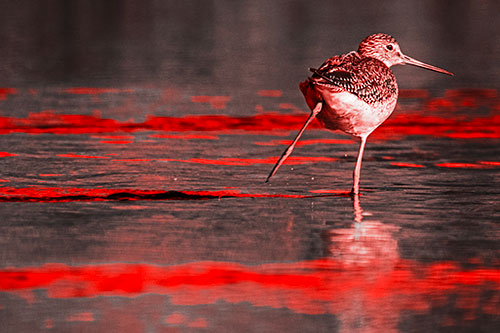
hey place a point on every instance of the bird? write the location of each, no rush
(355, 93)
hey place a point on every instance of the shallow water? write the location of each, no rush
(133, 197)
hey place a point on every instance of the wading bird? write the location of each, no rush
(355, 92)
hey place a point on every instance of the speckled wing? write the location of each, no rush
(367, 78)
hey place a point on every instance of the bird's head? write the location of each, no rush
(386, 49)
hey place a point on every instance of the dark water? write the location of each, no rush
(136, 138)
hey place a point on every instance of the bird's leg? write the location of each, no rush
(289, 150)
(357, 168)
(358, 211)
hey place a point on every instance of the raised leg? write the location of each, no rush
(289, 150)
(357, 168)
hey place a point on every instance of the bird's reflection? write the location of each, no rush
(368, 250)
(358, 211)
(366, 242)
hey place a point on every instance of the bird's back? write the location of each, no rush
(367, 78)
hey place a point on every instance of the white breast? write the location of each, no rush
(346, 112)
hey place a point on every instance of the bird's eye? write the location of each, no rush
(389, 47)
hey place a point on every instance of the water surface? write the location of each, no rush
(133, 166)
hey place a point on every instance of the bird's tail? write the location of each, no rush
(310, 93)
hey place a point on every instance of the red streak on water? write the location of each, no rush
(440, 103)
(396, 127)
(117, 142)
(401, 125)
(252, 161)
(112, 137)
(81, 316)
(407, 165)
(96, 91)
(289, 106)
(306, 142)
(5, 154)
(185, 136)
(56, 194)
(341, 192)
(456, 99)
(478, 93)
(311, 287)
(219, 123)
(456, 125)
(413, 93)
(80, 156)
(49, 323)
(270, 93)
(198, 323)
(216, 102)
(175, 319)
(4, 92)
(467, 165)
(494, 163)
(476, 135)
(132, 160)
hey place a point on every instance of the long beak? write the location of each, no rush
(410, 61)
